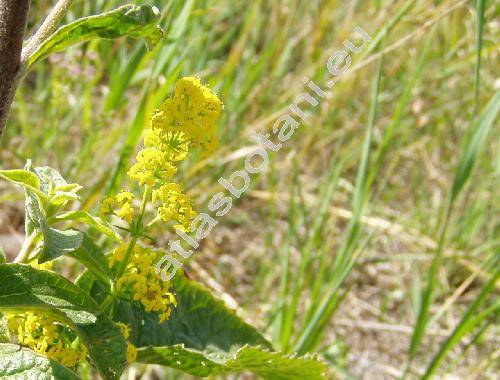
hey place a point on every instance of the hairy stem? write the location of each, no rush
(46, 29)
(13, 16)
(28, 245)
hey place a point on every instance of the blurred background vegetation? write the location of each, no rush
(330, 250)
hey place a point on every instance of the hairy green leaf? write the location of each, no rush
(269, 365)
(88, 219)
(57, 243)
(23, 178)
(138, 21)
(24, 288)
(200, 321)
(21, 363)
(91, 255)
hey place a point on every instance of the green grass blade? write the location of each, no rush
(475, 145)
(360, 197)
(468, 322)
(479, 46)
(470, 153)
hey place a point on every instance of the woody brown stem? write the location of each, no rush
(13, 17)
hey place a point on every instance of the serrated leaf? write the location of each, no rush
(91, 255)
(269, 365)
(21, 363)
(138, 21)
(24, 288)
(88, 219)
(57, 243)
(200, 321)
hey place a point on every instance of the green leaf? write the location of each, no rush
(49, 178)
(85, 281)
(88, 219)
(269, 365)
(3, 259)
(21, 363)
(200, 321)
(475, 144)
(91, 255)
(21, 177)
(57, 243)
(24, 288)
(138, 21)
(28, 287)
(24, 178)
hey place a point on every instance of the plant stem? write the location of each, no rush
(138, 230)
(13, 16)
(27, 247)
(46, 29)
(139, 226)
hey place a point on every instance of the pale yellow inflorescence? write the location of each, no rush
(141, 282)
(184, 121)
(47, 337)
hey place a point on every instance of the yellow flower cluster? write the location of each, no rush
(45, 336)
(131, 349)
(119, 205)
(141, 282)
(152, 164)
(184, 120)
(191, 113)
(175, 205)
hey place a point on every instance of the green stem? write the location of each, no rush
(139, 227)
(27, 247)
(138, 230)
(46, 29)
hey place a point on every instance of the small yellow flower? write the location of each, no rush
(47, 337)
(119, 205)
(192, 112)
(126, 212)
(175, 206)
(151, 165)
(141, 283)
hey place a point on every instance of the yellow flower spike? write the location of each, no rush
(192, 113)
